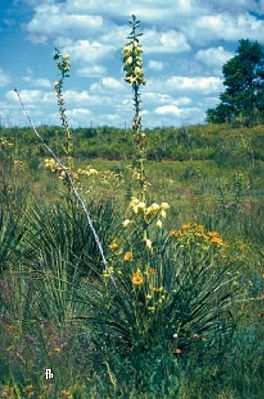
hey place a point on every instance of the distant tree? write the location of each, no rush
(243, 99)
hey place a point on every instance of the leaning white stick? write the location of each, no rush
(69, 178)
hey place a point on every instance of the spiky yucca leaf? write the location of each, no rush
(10, 237)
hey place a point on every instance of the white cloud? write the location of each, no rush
(225, 26)
(155, 65)
(214, 57)
(145, 9)
(84, 51)
(79, 116)
(183, 101)
(164, 42)
(32, 97)
(205, 85)
(38, 82)
(107, 86)
(4, 78)
(92, 71)
(112, 83)
(50, 20)
(93, 31)
(168, 109)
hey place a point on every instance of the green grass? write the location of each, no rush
(56, 309)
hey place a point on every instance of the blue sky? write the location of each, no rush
(185, 41)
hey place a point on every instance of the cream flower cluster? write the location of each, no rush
(6, 143)
(149, 212)
(87, 172)
(51, 164)
(133, 63)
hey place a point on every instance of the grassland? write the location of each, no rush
(59, 311)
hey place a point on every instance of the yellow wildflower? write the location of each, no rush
(148, 243)
(10, 348)
(151, 271)
(128, 256)
(217, 241)
(153, 208)
(126, 222)
(159, 224)
(129, 60)
(175, 233)
(137, 279)
(186, 226)
(164, 206)
(114, 246)
(9, 328)
(215, 238)
(141, 205)
(163, 214)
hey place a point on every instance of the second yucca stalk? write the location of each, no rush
(64, 67)
(133, 67)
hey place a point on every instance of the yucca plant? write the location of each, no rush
(11, 233)
(180, 291)
(50, 231)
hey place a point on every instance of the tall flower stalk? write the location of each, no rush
(133, 67)
(64, 67)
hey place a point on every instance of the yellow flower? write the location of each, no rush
(129, 60)
(148, 243)
(156, 289)
(164, 206)
(213, 234)
(137, 279)
(163, 214)
(108, 272)
(57, 349)
(217, 241)
(175, 233)
(9, 328)
(134, 201)
(151, 271)
(128, 256)
(10, 348)
(153, 208)
(151, 308)
(114, 246)
(159, 224)
(215, 238)
(186, 226)
(141, 205)
(126, 223)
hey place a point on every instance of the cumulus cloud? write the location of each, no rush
(168, 109)
(61, 23)
(85, 51)
(4, 78)
(164, 42)
(225, 26)
(203, 84)
(195, 84)
(155, 65)
(91, 71)
(32, 97)
(37, 82)
(185, 44)
(112, 83)
(213, 56)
